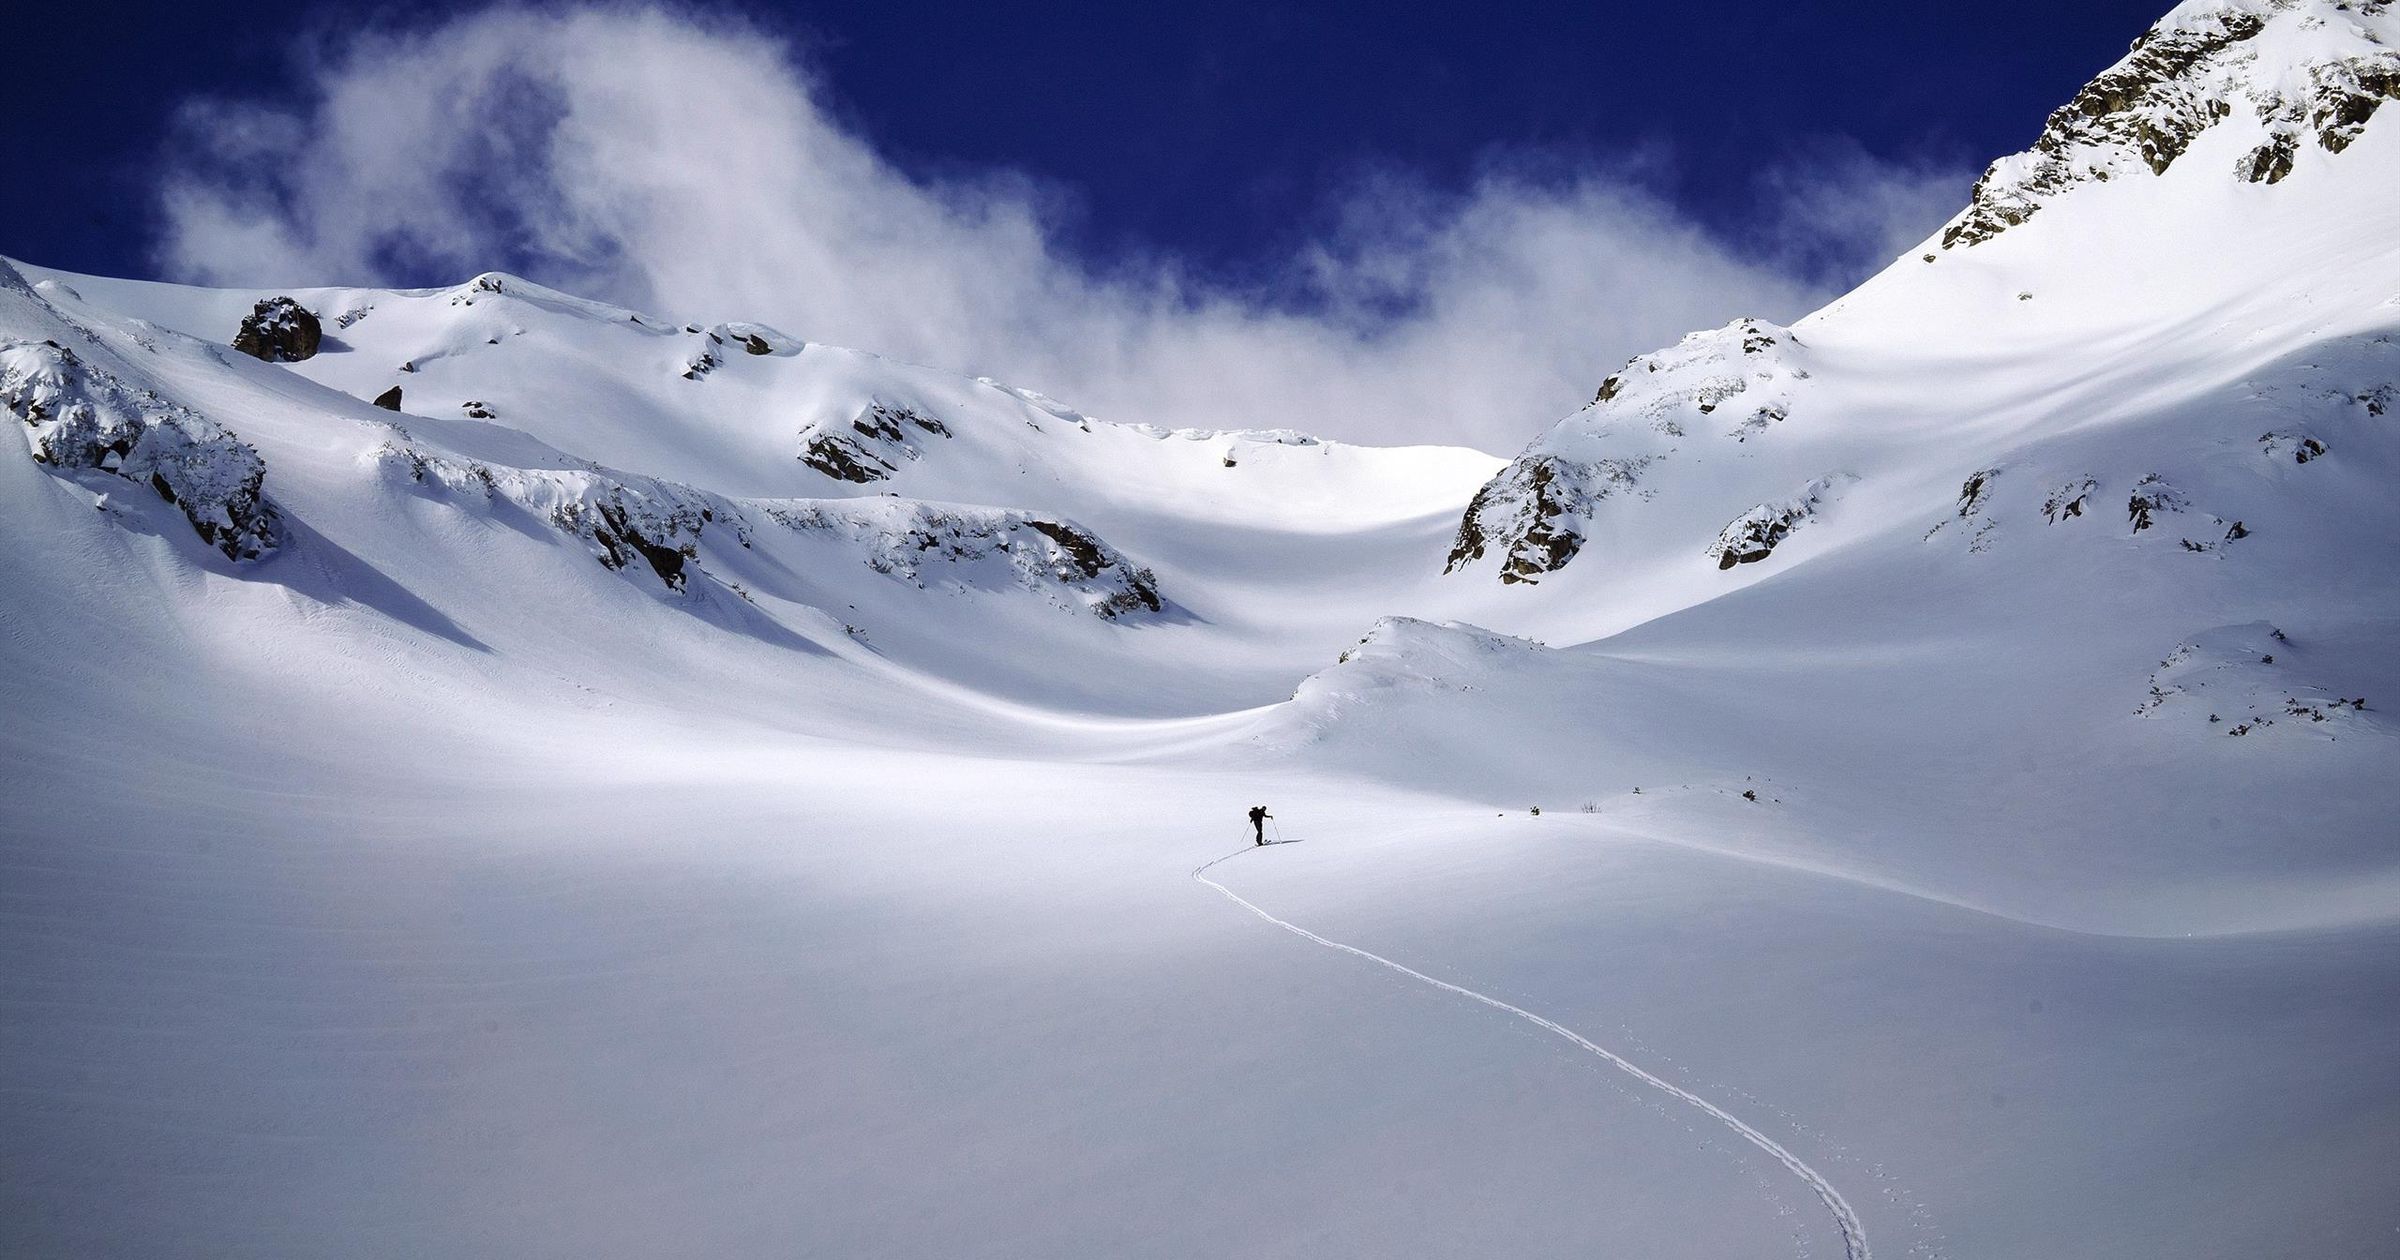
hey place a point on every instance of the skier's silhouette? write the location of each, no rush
(1258, 823)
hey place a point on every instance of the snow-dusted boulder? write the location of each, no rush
(83, 419)
(279, 330)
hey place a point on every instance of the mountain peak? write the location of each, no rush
(2295, 72)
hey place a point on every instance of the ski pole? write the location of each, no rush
(1278, 829)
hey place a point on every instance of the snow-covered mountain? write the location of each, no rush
(500, 772)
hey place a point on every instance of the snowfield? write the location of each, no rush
(1920, 782)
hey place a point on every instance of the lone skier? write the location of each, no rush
(1258, 823)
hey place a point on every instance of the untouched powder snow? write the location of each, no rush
(656, 784)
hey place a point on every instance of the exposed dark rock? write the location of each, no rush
(1093, 558)
(2152, 495)
(2269, 162)
(476, 409)
(877, 441)
(617, 534)
(1971, 494)
(1548, 540)
(389, 399)
(931, 544)
(279, 330)
(1754, 535)
(2302, 446)
(2066, 502)
(2345, 94)
(843, 459)
(756, 344)
(622, 517)
(2141, 106)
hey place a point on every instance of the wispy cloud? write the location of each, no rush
(689, 166)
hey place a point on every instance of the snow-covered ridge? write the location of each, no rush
(2294, 72)
(962, 545)
(1951, 366)
(81, 417)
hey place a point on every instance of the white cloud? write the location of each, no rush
(688, 167)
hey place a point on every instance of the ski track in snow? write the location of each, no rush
(1854, 1237)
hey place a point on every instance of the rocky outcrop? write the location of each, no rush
(2067, 501)
(872, 445)
(2152, 497)
(2194, 70)
(620, 518)
(389, 399)
(82, 419)
(2290, 444)
(718, 340)
(1730, 385)
(1754, 535)
(1535, 512)
(977, 548)
(279, 330)
(2344, 95)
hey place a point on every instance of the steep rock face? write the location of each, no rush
(2306, 71)
(1720, 389)
(926, 544)
(279, 330)
(871, 446)
(83, 418)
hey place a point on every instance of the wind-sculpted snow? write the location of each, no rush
(1407, 652)
(82, 418)
(1427, 687)
(2305, 72)
(584, 734)
(2251, 679)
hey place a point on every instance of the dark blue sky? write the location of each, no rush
(1207, 131)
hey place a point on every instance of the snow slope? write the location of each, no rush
(671, 786)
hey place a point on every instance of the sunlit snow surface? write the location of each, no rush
(594, 829)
